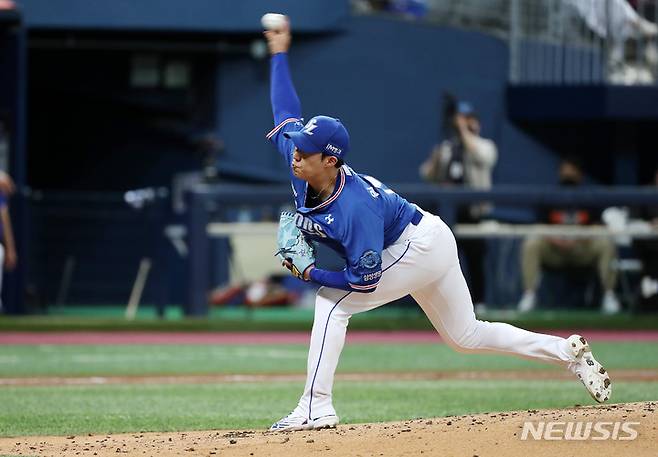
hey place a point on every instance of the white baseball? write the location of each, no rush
(273, 21)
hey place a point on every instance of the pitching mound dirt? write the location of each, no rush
(481, 435)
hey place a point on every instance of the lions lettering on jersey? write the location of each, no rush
(308, 226)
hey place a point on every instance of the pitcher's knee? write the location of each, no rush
(339, 318)
(470, 339)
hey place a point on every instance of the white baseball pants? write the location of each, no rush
(423, 262)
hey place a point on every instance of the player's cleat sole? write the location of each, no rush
(594, 377)
(324, 422)
(293, 422)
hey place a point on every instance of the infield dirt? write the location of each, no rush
(478, 435)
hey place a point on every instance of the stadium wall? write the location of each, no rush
(383, 77)
(172, 15)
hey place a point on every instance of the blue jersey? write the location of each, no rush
(359, 220)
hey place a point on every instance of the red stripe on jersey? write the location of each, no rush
(334, 196)
(371, 286)
(278, 127)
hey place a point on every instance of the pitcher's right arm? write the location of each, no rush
(286, 107)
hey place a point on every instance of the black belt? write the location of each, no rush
(417, 217)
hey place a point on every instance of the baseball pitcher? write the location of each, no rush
(391, 248)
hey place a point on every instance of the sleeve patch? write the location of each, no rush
(369, 260)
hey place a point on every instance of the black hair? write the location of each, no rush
(339, 162)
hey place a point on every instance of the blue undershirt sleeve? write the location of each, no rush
(334, 279)
(285, 102)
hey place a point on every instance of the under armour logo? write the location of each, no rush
(312, 125)
(329, 218)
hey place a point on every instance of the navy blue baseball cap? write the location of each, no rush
(322, 134)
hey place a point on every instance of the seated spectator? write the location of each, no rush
(616, 17)
(561, 252)
(616, 21)
(647, 252)
(465, 159)
(8, 256)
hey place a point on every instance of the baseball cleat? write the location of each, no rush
(325, 422)
(594, 377)
(295, 421)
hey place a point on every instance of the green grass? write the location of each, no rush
(113, 409)
(63, 410)
(80, 360)
(241, 319)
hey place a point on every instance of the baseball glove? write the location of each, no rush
(293, 246)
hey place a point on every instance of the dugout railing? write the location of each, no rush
(94, 248)
(206, 205)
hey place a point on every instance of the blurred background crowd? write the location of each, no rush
(136, 171)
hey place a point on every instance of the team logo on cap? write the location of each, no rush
(312, 125)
